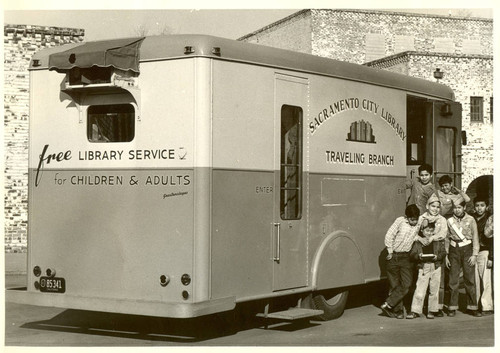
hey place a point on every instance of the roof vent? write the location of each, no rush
(216, 51)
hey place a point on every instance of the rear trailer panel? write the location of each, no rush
(117, 214)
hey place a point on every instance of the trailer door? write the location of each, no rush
(289, 235)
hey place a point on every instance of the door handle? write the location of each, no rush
(277, 250)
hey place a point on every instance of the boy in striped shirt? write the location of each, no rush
(399, 240)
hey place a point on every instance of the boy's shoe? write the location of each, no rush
(386, 308)
(430, 315)
(475, 313)
(487, 312)
(400, 315)
(439, 313)
(452, 313)
(412, 315)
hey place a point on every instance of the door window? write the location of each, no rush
(445, 150)
(291, 163)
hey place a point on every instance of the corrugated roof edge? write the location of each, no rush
(167, 47)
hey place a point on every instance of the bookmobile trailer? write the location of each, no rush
(178, 176)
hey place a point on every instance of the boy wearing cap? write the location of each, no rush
(429, 262)
(462, 247)
(433, 215)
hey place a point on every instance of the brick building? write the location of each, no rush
(20, 43)
(411, 44)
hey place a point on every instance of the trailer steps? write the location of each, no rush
(291, 314)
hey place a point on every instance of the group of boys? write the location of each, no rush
(435, 233)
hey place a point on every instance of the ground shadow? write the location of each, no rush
(141, 327)
(161, 329)
(367, 294)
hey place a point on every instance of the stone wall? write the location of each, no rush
(278, 35)
(342, 34)
(20, 43)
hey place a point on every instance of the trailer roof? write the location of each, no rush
(168, 47)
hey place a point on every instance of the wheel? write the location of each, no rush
(332, 304)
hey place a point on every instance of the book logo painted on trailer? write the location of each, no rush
(361, 131)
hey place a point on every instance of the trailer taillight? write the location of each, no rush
(164, 280)
(50, 272)
(185, 279)
(37, 271)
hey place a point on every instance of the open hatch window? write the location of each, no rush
(111, 123)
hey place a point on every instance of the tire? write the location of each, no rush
(332, 304)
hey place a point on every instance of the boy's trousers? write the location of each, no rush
(400, 276)
(459, 257)
(483, 276)
(443, 285)
(428, 276)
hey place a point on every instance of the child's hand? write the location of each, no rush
(434, 258)
(388, 257)
(424, 241)
(447, 261)
(472, 260)
(489, 264)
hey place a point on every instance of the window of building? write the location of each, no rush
(291, 163)
(476, 109)
(111, 123)
(404, 43)
(491, 110)
(444, 45)
(375, 46)
(471, 46)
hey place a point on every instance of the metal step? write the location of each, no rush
(291, 314)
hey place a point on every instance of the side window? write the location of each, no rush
(445, 151)
(476, 109)
(291, 163)
(111, 123)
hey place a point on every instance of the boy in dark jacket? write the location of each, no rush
(429, 262)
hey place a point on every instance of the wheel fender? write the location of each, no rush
(337, 262)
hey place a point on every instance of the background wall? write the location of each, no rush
(20, 43)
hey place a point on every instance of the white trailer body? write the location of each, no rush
(216, 172)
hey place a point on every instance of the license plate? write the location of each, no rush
(52, 285)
